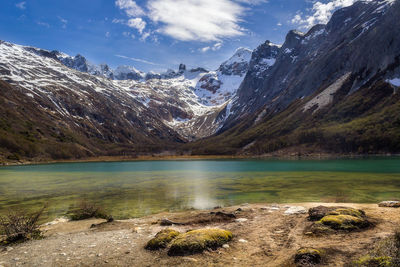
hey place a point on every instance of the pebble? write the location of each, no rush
(63, 254)
(190, 259)
(243, 241)
(295, 210)
(390, 204)
(57, 221)
(225, 246)
(241, 220)
(9, 249)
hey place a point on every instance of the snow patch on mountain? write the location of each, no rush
(326, 97)
(394, 81)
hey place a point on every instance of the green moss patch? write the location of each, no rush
(348, 211)
(197, 241)
(344, 222)
(346, 219)
(369, 261)
(162, 239)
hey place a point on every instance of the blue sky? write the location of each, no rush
(157, 34)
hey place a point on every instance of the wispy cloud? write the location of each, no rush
(215, 47)
(63, 21)
(188, 20)
(44, 24)
(321, 13)
(128, 34)
(195, 20)
(130, 7)
(137, 23)
(21, 5)
(139, 60)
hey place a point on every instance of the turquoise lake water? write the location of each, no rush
(132, 189)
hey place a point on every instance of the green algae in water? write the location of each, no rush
(132, 189)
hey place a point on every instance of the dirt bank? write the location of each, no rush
(263, 236)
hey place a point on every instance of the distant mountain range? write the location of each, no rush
(333, 89)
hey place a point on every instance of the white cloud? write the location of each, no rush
(197, 20)
(139, 60)
(187, 20)
(63, 21)
(215, 47)
(145, 36)
(44, 24)
(120, 21)
(128, 34)
(21, 5)
(137, 23)
(130, 7)
(252, 2)
(107, 34)
(321, 13)
(279, 24)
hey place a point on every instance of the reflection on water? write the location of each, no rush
(128, 189)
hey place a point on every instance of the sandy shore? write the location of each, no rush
(263, 236)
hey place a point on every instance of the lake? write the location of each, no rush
(132, 189)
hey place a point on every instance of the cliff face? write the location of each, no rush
(361, 41)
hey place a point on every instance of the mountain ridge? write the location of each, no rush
(300, 95)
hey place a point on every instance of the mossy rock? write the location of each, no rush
(162, 239)
(318, 228)
(307, 257)
(317, 213)
(196, 241)
(348, 211)
(369, 261)
(346, 219)
(344, 222)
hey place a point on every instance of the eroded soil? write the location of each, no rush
(267, 238)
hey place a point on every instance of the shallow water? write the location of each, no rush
(131, 189)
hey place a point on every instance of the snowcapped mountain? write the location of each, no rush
(81, 64)
(175, 99)
(255, 102)
(218, 87)
(362, 39)
(333, 89)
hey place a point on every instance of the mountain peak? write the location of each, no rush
(238, 64)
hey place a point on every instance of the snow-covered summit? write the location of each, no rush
(238, 63)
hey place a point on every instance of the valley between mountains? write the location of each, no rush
(333, 90)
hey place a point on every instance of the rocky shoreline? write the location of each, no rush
(261, 235)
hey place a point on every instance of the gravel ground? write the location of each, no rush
(263, 236)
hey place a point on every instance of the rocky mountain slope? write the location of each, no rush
(360, 43)
(332, 89)
(86, 108)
